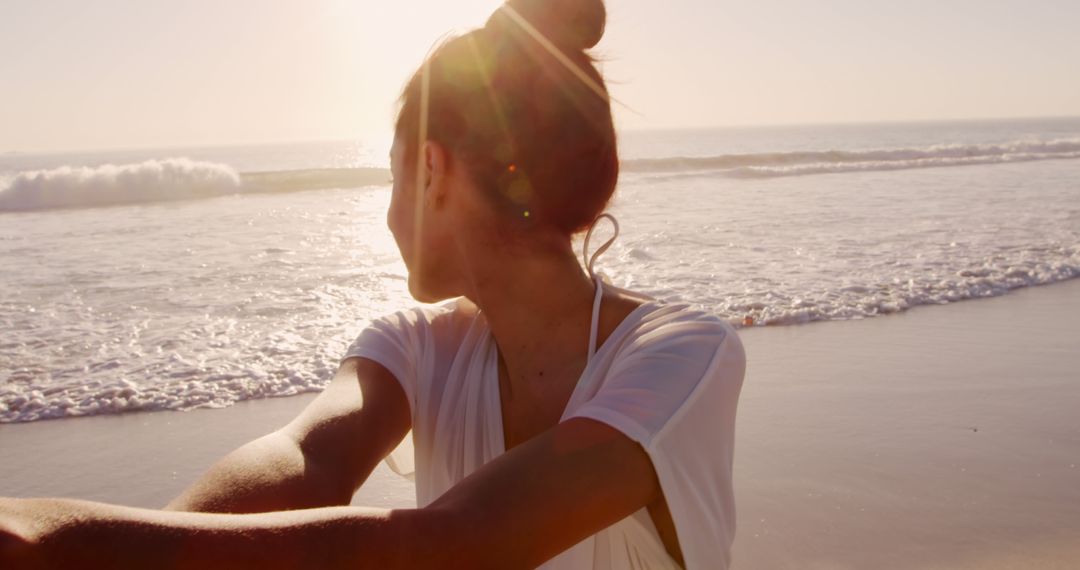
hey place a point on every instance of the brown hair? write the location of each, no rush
(522, 106)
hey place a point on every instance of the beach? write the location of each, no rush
(940, 437)
(882, 199)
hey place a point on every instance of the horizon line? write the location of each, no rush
(651, 129)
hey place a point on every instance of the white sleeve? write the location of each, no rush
(393, 341)
(396, 341)
(675, 393)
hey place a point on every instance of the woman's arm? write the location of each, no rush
(61, 533)
(516, 511)
(320, 459)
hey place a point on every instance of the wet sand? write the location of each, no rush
(944, 437)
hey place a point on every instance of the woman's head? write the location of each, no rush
(514, 115)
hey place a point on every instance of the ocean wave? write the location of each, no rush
(110, 184)
(163, 180)
(774, 164)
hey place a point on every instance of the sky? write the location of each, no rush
(150, 73)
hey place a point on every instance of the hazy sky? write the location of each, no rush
(132, 73)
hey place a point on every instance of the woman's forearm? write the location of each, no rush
(71, 534)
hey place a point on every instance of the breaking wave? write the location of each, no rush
(163, 180)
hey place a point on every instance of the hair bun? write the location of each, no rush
(572, 25)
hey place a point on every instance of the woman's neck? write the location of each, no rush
(537, 304)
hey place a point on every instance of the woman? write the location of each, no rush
(556, 420)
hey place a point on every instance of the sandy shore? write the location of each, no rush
(146, 459)
(944, 437)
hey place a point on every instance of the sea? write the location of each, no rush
(180, 278)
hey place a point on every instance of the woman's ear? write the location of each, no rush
(434, 172)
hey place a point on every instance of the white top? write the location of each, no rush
(668, 377)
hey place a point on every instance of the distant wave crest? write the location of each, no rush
(773, 164)
(110, 184)
(163, 180)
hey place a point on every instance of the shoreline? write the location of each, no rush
(941, 438)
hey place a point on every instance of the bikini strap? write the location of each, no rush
(589, 262)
